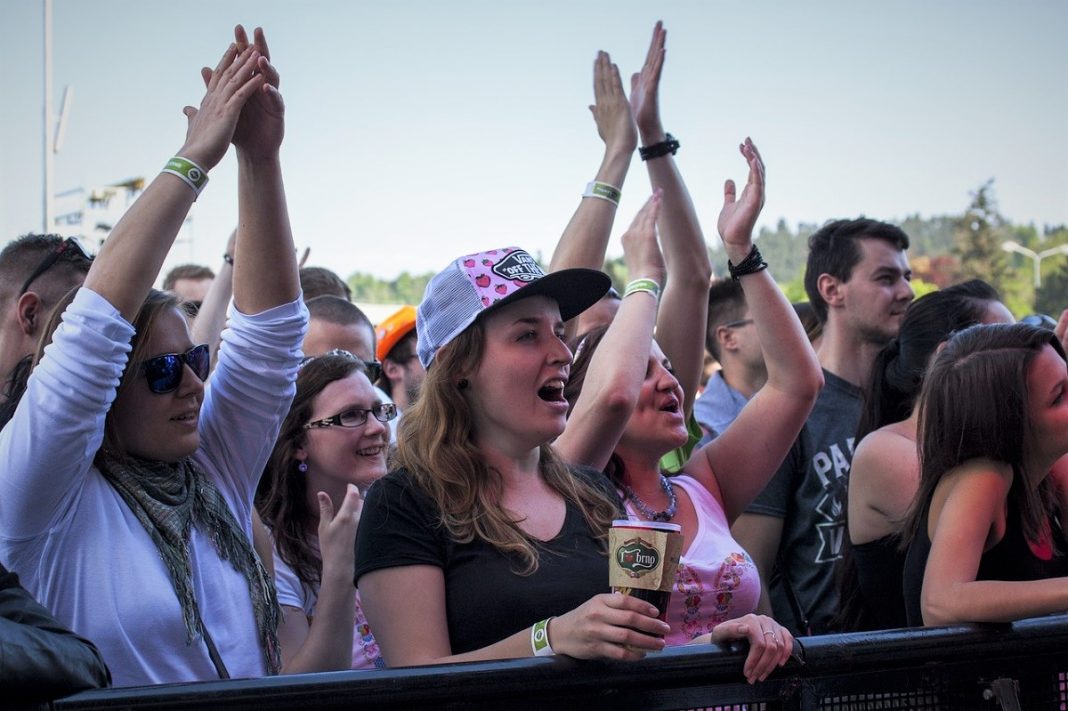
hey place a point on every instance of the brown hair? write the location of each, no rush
(281, 497)
(975, 404)
(436, 445)
(155, 303)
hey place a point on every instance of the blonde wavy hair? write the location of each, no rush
(436, 445)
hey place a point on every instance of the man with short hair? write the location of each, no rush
(732, 340)
(402, 372)
(857, 279)
(189, 282)
(36, 272)
(320, 281)
(335, 323)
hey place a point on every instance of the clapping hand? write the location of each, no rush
(611, 110)
(739, 213)
(645, 89)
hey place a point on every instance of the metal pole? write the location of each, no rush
(47, 118)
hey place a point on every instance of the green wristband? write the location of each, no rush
(647, 285)
(191, 174)
(539, 639)
(604, 191)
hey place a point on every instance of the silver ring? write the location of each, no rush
(767, 632)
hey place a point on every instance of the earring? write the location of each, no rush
(462, 384)
(302, 467)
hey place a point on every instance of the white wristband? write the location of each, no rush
(539, 639)
(191, 174)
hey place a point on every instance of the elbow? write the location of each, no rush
(620, 400)
(938, 610)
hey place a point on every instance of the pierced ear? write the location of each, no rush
(830, 288)
(29, 312)
(300, 455)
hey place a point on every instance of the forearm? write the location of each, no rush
(613, 380)
(788, 356)
(133, 254)
(992, 600)
(328, 646)
(265, 270)
(585, 239)
(211, 318)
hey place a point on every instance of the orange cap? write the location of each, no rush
(392, 329)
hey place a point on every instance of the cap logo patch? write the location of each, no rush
(518, 266)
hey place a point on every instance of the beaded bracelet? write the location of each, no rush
(539, 639)
(752, 264)
(191, 174)
(668, 145)
(597, 189)
(646, 285)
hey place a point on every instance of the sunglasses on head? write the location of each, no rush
(164, 372)
(372, 368)
(70, 247)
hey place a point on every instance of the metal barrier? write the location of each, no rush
(1017, 666)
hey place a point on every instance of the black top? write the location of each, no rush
(486, 600)
(1011, 558)
(880, 565)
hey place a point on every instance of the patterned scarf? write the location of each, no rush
(168, 499)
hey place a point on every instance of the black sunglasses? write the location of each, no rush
(164, 372)
(70, 247)
(356, 417)
(372, 368)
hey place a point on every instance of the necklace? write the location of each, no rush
(645, 510)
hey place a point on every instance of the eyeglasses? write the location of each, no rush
(372, 368)
(164, 372)
(739, 323)
(356, 417)
(70, 247)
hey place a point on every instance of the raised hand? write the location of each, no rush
(640, 247)
(770, 644)
(739, 213)
(611, 110)
(229, 87)
(337, 532)
(645, 88)
(612, 626)
(261, 126)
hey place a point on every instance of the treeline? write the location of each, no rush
(945, 249)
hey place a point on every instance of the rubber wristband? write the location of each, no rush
(657, 150)
(647, 285)
(191, 174)
(539, 639)
(604, 191)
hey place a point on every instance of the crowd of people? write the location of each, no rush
(242, 475)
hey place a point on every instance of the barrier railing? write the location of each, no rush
(1017, 666)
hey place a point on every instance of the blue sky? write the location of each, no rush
(419, 130)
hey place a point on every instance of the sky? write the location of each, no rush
(420, 130)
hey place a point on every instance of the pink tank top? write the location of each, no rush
(716, 580)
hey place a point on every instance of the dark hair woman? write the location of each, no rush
(984, 537)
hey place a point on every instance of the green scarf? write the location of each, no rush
(168, 499)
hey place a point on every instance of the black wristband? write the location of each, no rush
(752, 264)
(668, 145)
(228, 259)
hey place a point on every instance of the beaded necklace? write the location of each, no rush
(645, 510)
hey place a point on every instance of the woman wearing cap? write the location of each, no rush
(482, 540)
(331, 448)
(126, 495)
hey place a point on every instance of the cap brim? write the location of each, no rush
(575, 290)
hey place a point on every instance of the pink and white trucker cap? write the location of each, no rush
(476, 284)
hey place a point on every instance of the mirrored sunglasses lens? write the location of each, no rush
(385, 412)
(164, 373)
(199, 360)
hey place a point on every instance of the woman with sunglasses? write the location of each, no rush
(331, 448)
(126, 496)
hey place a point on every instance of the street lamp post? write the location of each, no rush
(1036, 257)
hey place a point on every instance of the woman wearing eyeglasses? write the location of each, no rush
(126, 495)
(331, 448)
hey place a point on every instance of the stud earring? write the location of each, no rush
(462, 385)
(302, 467)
